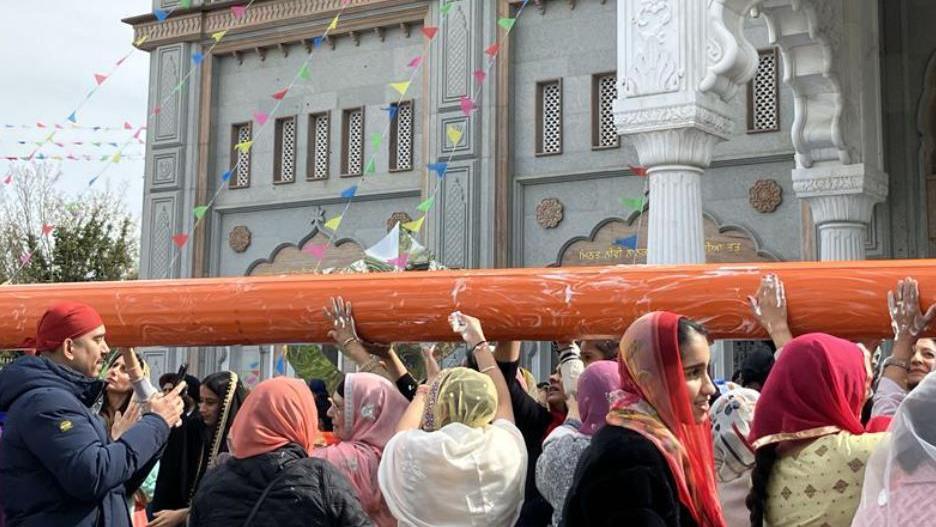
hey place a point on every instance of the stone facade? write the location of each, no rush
(687, 121)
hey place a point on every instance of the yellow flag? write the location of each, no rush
(401, 87)
(415, 225)
(219, 35)
(244, 146)
(334, 23)
(333, 223)
(116, 158)
(454, 134)
(139, 42)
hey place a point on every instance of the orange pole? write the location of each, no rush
(843, 298)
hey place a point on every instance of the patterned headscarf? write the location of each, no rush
(732, 415)
(460, 395)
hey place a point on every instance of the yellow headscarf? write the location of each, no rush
(460, 395)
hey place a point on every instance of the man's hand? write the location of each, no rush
(169, 406)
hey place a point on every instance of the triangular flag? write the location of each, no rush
(415, 225)
(388, 247)
(226, 175)
(439, 168)
(157, 109)
(25, 258)
(400, 261)
(349, 192)
(446, 7)
(638, 170)
(139, 42)
(317, 41)
(400, 87)
(238, 10)
(630, 242)
(128, 126)
(280, 94)
(454, 134)
(180, 239)
(197, 57)
(97, 144)
(59, 127)
(430, 31)
(316, 250)
(333, 223)
(334, 23)
(506, 23)
(185, 4)
(219, 35)
(46, 229)
(72, 117)
(376, 139)
(99, 78)
(633, 203)
(115, 145)
(371, 166)
(261, 118)
(8, 180)
(304, 72)
(116, 158)
(161, 14)
(200, 211)
(40, 124)
(244, 146)
(492, 49)
(467, 106)
(425, 205)
(480, 75)
(415, 62)
(392, 111)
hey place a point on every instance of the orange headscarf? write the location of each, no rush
(277, 412)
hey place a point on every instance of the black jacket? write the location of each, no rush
(622, 479)
(58, 465)
(313, 494)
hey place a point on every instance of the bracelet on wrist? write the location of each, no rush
(478, 345)
(489, 368)
(349, 340)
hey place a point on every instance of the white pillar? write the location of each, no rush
(675, 226)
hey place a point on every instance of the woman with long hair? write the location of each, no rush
(653, 464)
(195, 446)
(365, 411)
(271, 480)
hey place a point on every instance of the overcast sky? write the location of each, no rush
(51, 50)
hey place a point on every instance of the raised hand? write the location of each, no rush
(907, 320)
(769, 305)
(344, 330)
(123, 421)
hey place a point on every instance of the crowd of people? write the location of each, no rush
(819, 431)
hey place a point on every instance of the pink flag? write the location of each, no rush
(638, 170)
(399, 261)
(316, 251)
(25, 258)
(127, 126)
(480, 75)
(430, 31)
(280, 94)
(492, 49)
(46, 229)
(180, 239)
(8, 180)
(238, 11)
(261, 118)
(467, 105)
(99, 78)
(415, 62)
(40, 124)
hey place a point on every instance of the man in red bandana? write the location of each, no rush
(58, 464)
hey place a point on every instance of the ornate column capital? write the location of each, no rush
(840, 193)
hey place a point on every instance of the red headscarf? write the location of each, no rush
(817, 387)
(64, 320)
(654, 403)
(278, 411)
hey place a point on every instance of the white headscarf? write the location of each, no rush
(900, 480)
(457, 475)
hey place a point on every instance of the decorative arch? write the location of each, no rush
(291, 258)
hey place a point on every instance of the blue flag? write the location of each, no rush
(73, 118)
(349, 192)
(630, 242)
(392, 111)
(317, 41)
(161, 14)
(439, 168)
(198, 57)
(226, 176)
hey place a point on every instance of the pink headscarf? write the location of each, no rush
(372, 408)
(596, 382)
(279, 411)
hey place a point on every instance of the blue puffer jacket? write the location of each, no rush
(57, 463)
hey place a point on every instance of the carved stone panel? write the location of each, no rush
(239, 238)
(166, 168)
(160, 244)
(457, 60)
(765, 195)
(549, 213)
(653, 63)
(455, 219)
(169, 72)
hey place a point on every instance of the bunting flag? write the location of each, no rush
(467, 106)
(480, 75)
(400, 87)
(630, 242)
(261, 117)
(316, 250)
(633, 203)
(185, 4)
(92, 180)
(333, 223)
(446, 7)
(116, 158)
(72, 117)
(8, 180)
(197, 58)
(219, 35)
(415, 62)
(392, 111)
(40, 124)
(304, 72)
(180, 239)
(157, 109)
(454, 134)
(430, 31)
(425, 205)
(439, 168)
(200, 211)
(317, 41)
(25, 258)
(334, 23)
(161, 14)
(371, 166)
(46, 229)
(415, 225)
(492, 50)
(349, 192)
(139, 42)
(280, 94)
(226, 175)
(99, 78)
(244, 146)
(388, 247)
(376, 139)
(638, 170)
(127, 125)
(506, 23)
(238, 11)
(400, 261)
